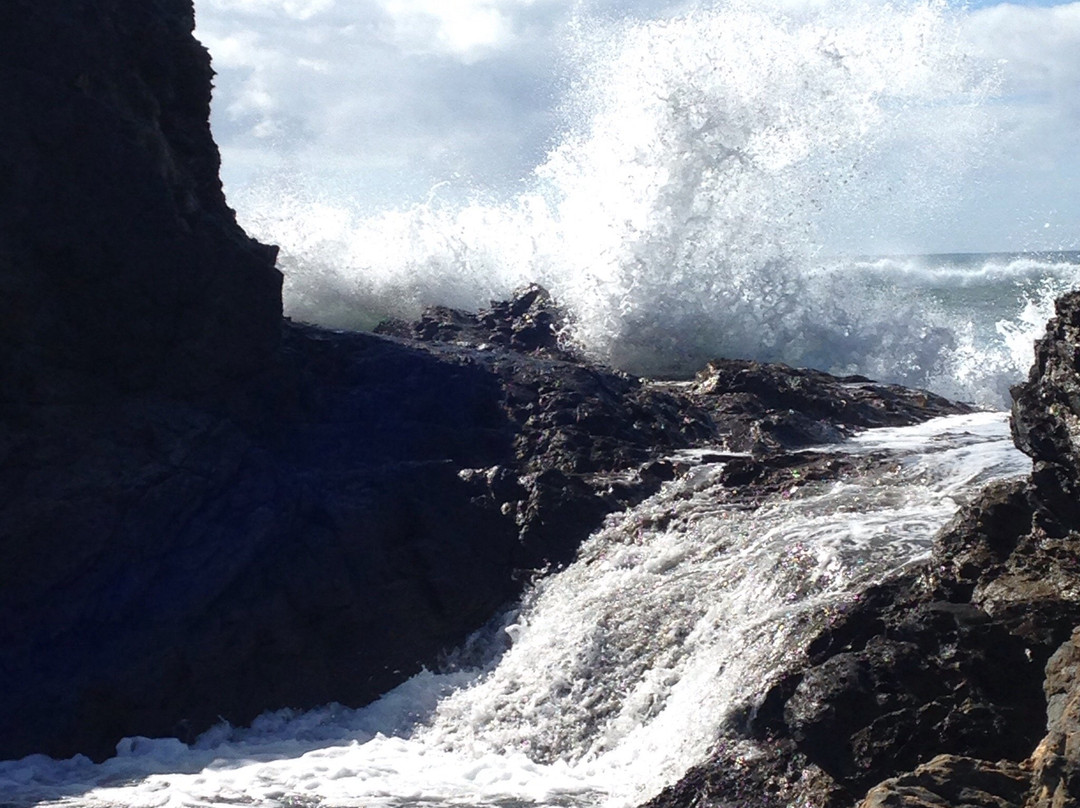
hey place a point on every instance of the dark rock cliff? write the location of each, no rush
(208, 512)
(120, 264)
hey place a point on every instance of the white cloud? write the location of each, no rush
(295, 9)
(1030, 188)
(1039, 48)
(464, 28)
(410, 92)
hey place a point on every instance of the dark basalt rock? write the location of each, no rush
(372, 502)
(901, 675)
(528, 322)
(949, 780)
(1046, 420)
(1011, 557)
(168, 565)
(120, 264)
(773, 776)
(1055, 764)
(769, 408)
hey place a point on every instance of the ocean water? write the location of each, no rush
(610, 678)
(981, 313)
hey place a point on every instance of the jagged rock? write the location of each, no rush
(741, 776)
(949, 781)
(202, 517)
(950, 659)
(1056, 760)
(209, 513)
(902, 677)
(991, 554)
(1013, 552)
(1046, 420)
(120, 264)
(974, 547)
(371, 505)
(769, 408)
(529, 322)
(1050, 778)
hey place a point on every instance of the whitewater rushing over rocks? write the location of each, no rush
(613, 676)
(709, 166)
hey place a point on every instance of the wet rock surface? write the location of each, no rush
(372, 502)
(529, 322)
(956, 684)
(367, 504)
(948, 780)
(770, 408)
(772, 776)
(1055, 763)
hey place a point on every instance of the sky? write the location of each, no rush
(379, 104)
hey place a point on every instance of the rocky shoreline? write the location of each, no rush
(208, 511)
(955, 684)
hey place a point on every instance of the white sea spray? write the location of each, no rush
(706, 159)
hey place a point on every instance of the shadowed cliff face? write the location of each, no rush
(120, 262)
(1046, 419)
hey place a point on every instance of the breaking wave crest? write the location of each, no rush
(706, 160)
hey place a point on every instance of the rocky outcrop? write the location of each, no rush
(1055, 763)
(361, 511)
(901, 675)
(948, 780)
(956, 684)
(1046, 422)
(770, 408)
(120, 265)
(363, 507)
(530, 322)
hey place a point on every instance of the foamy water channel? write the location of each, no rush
(611, 678)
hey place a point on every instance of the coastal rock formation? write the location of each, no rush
(1012, 555)
(948, 780)
(208, 512)
(530, 322)
(1055, 764)
(120, 264)
(770, 408)
(360, 512)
